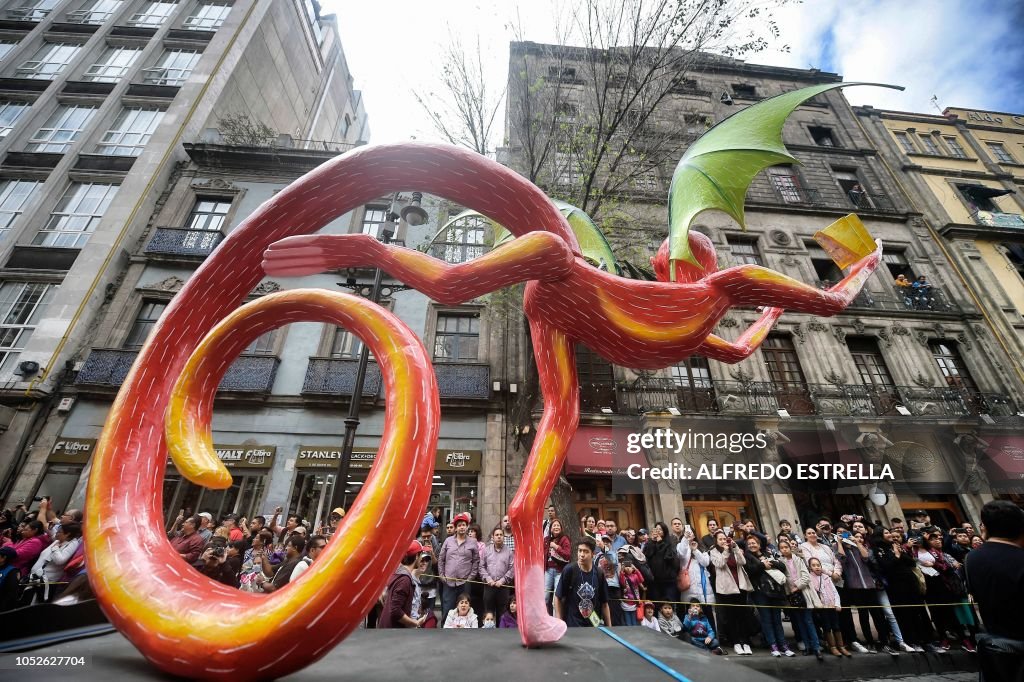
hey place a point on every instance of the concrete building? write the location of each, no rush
(906, 378)
(102, 103)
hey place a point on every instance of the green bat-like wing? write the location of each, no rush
(717, 169)
(593, 245)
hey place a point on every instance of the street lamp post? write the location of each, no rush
(413, 214)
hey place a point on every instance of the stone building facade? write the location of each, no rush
(917, 382)
(99, 100)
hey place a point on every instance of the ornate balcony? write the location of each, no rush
(930, 300)
(337, 377)
(658, 394)
(182, 242)
(864, 201)
(108, 367)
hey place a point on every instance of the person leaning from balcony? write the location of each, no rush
(459, 561)
(767, 576)
(858, 196)
(732, 585)
(798, 580)
(187, 543)
(661, 556)
(921, 290)
(558, 552)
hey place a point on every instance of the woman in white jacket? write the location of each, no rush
(731, 587)
(49, 567)
(697, 564)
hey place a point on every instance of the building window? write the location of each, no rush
(95, 12)
(787, 184)
(112, 65)
(76, 215)
(173, 68)
(345, 126)
(562, 74)
(6, 47)
(566, 113)
(10, 112)
(1015, 254)
(824, 267)
(374, 219)
(905, 142)
(457, 338)
(850, 185)
(745, 251)
(870, 362)
(644, 175)
(822, 136)
(50, 60)
(979, 197)
(897, 263)
(787, 377)
(208, 16)
(345, 344)
(463, 241)
(145, 320)
(208, 215)
(130, 132)
(928, 143)
(22, 304)
(954, 147)
(263, 345)
(567, 170)
(999, 152)
(152, 14)
(744, 91)
(62, 129)
(14, 195)
(32, 11)
(951, 364)
(693, 372)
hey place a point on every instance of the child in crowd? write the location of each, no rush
(699, 630)
(632, 585)
(668, 621)
(489, 623)
(508, 619)
(649, 620)
(826, 604)
(462, 615)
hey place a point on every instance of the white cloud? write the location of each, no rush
(967, 53)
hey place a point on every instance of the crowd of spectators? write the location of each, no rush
(908, 585)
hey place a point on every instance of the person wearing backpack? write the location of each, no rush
(402, 591)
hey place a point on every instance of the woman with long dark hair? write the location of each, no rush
(732, 585)
(769, 593)
(558, 552)
(663, 561)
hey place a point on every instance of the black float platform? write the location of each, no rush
(445, 656)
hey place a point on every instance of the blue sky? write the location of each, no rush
(965, 53)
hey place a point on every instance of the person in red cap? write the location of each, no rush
(403, 592)
(459, 562)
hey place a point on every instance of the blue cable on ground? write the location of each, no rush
(646, 656)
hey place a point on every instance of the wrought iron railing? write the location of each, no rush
(864, 201)
(108, 367)
(660, 394)
(181, 241)
(930, 299)
(337, 377)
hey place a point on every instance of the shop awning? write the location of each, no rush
(600, 451)
(1007, 454)
(982, 192)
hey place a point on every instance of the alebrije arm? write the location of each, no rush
(717, 169)
(717, 348)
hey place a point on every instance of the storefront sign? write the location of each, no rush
(72, 450)
(362, 458)
(326, 457)
(242, 456)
